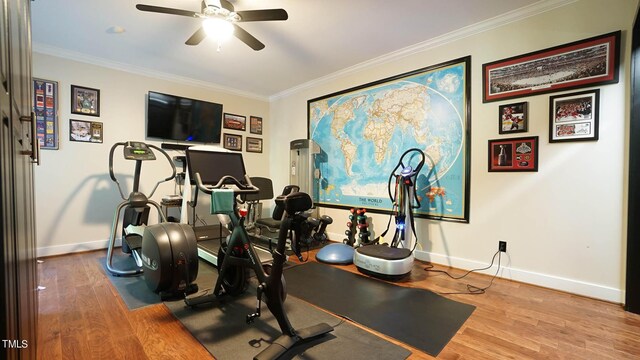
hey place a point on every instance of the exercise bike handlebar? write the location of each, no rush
(247, 188)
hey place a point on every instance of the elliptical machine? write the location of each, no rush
(166, 253)
(394, 261)
(237, 254)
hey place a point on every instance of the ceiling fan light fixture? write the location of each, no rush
(218, 29)
(219, 20)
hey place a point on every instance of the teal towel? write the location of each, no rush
(222, 201)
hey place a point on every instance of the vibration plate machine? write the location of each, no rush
(395, 260)
(237, 255)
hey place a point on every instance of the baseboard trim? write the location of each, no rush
(74, 248)
(572, 286)
(544, 280)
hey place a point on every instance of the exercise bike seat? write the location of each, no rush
(295, 202)
(273, 223)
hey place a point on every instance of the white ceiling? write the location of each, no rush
(321, 37)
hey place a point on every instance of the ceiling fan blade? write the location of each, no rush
(197, 37)
(165, 10)
(226, 5)
(247, 38)
(263, 15)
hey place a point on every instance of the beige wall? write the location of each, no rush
(565, 224)
(74, 195)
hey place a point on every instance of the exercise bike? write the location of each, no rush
(166, 253)
(237, 256)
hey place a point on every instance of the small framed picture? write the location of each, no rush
(232, 142)
(254, 145)
(85, 101)
(85, 131)
(234, 122)
(513, 118)
(515, 154)
(574, 117)
(255, 125)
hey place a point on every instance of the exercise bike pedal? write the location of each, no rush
(252, 317)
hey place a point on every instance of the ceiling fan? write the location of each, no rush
(219, 20)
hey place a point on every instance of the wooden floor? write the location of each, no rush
(81, 316)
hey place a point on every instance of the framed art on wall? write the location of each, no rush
(583, 63)
(513, 118)
(85, 101)
(365, 129)
(515, 154)
(232, 142)
(234, 122)
(574, 117)
(85, 131)
(254, 144)
(255, 125)
(45, 107)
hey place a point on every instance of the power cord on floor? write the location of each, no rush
(342, 320)
(471, 289)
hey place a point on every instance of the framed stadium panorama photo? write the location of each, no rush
(583, 63)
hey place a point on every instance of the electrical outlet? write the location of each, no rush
(502, 246)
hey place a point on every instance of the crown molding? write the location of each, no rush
(490, 24)
(76, 56)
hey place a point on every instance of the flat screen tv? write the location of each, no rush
(171, 117)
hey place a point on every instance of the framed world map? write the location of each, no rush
(363, 131)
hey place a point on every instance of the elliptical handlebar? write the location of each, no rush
(129, 143)
(247, 188)
(173, 168)
(113, 176)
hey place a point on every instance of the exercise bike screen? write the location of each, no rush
(213, 165)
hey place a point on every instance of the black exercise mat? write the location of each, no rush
(132, 289)
(417, 317)
(222, 330)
